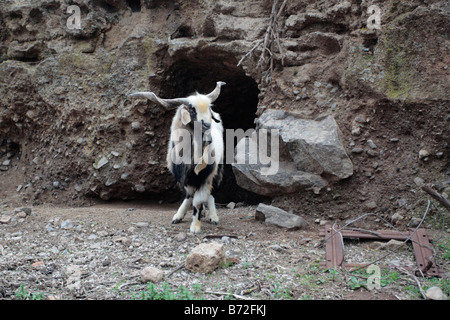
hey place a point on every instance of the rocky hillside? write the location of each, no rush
(69, 131)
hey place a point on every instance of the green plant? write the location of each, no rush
(23, 294)
(280, 292)
(165, 292)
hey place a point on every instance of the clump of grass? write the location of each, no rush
(165, 292)
(23, 294)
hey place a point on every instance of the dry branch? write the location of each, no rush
(436, 196)
(270, 39)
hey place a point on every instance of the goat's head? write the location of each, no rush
(195, 108)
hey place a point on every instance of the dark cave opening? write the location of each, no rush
(237, 104)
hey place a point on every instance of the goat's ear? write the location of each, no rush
(185, 117)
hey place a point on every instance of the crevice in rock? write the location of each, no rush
(135, 5)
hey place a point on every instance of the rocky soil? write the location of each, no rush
(99, 252)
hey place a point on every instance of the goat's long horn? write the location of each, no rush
(166, 103)
(216, 92)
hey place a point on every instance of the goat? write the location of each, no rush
(198, 175)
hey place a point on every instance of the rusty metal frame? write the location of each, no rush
(334, 250)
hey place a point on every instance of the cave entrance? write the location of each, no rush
(237, 103)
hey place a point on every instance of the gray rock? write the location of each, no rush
(418, 181)
(273, 216)
(100, 163)
(307, 150)
(67, 224)
(371, 144)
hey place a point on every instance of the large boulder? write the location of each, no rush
(309, 155)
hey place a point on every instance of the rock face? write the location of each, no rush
(66, 117)
(273, 216)
(311, 155)
(206, 257)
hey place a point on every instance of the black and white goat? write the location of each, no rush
(195, 127)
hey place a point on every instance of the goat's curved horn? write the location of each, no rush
(166, 103)
(216, 92)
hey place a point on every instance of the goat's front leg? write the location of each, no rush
(187, 202)
(201, 197)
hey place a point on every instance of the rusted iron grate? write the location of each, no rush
(334, 249)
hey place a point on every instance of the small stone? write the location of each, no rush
(371, 144)
(4, 219)
(124, 240)
(439, 154)
(102, 162)
(21, 214)
(276, 247)
(7, 162)
(435, 293)
(402, 202)
(139, 188)
(67, 224)
(418, 181)
(356, 131)
(372, 153)
(141, 224)
(56, 184)
(106, 262)
(392, 245)
(180, 236)
(371, 205)
(396, 217)
(414, 222)
(231, 205)
(135, 125)
(357, 150)
(151, 274)
(423, 154)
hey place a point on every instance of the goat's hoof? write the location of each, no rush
(216, 223)
(175, 221)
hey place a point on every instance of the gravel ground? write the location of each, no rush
(98, 252)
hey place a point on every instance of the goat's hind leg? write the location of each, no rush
(213, 217)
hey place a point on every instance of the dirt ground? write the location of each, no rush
(97, 252)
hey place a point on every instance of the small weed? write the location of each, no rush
(280, 292)
(23, 294)
(165, 292)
